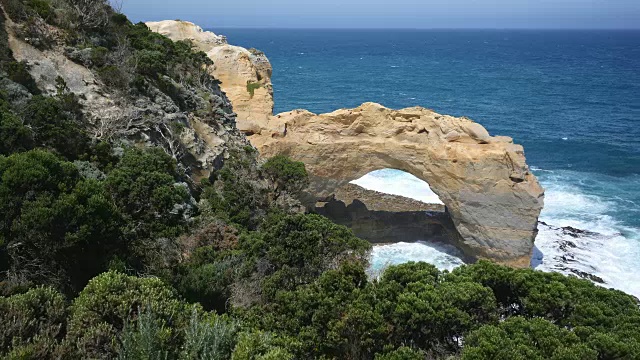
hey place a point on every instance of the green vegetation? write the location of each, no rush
(287, 175)
(252, 87)
(112, 251)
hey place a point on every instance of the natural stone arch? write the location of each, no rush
(493, 199)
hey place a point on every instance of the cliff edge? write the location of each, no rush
(245, 75)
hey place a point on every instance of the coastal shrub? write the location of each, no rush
(113, 76)
(146, 337)
(33, 323)
(29, 173)
(287, 175)
(14, 135)
(518, 338)
(42, 8)
(402, 353)
(293, 250)
(99, 56)
(113, 300)
(53, 121)
(234, 197)
(257, 345)
(208, 284)
(252, 87)
(52, 215)
(156, 207)
(209, 337)
(18, 72)
(150, 62)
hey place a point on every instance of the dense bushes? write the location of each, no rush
(286, 174)
(425, 313)
(55, 125)
(14, 135)
(61, 228)
(33, 323)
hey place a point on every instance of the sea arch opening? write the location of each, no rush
(398, 183)
(399, 214)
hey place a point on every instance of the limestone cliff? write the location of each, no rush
(200, 140)
(245, 75)
(490, 194)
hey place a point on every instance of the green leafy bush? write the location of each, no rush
(209, 337)
(33, 323)
(18, 72)
(519, 338)
(252, 87)
(288, 175)
(144, 186)
(113, 299)
(54, 121)
(402, 353)
(298, 249)
(53, 216)
(113, 76)
(14, 135)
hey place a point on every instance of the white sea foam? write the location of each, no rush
(609, 249)
(397, 182)
(442, 256)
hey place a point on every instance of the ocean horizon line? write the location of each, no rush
(419, 29)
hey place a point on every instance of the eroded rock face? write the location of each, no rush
(383, 218)
(492, 197)
(202, 144)
(245, 75)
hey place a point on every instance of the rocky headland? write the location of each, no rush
(245, 75)
(491, 197)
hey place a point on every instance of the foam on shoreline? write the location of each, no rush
(603, 247)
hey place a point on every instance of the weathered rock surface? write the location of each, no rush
(147, 120)
(490, 194)
(245, 75)
(378, 201)
(380, 226)
(383, 218)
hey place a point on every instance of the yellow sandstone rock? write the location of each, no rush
(492, 197)
(245, 75)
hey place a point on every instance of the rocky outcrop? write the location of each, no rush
(490, 194)
(245, 75)
(383, 218)
(378, 201)
(380, 226)
(151, 120)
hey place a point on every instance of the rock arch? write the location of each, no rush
(490, 194)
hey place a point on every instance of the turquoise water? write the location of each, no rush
(572, 98)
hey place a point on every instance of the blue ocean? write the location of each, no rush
(572, 98)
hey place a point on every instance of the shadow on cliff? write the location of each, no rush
(384, 227)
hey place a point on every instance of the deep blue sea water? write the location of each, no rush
(572, 98)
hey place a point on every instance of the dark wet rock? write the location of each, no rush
(586, 275)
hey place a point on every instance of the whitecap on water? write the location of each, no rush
(444, 257)
(606, 248)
